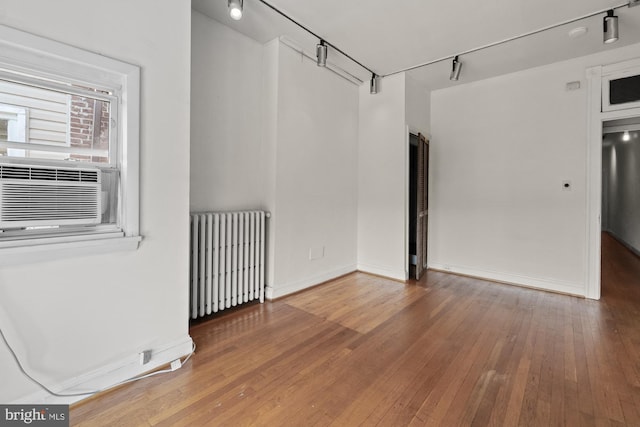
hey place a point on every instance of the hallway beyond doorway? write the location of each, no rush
(620, 271)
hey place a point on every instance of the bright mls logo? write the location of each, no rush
(36, 415)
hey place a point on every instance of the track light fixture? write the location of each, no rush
(610, 35)
(321, 48)
(235, 9)
(610, 27)
(374, 86)
(321, 54)
(456, 67)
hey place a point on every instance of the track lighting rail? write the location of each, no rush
(510, 39)
(334, 47)
(337, 70)
(610, 35)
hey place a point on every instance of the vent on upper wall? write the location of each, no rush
(32, 196)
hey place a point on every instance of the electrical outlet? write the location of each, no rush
(145, 357)
(316, 252)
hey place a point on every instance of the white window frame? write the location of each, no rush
(21, 52)
(22, 118)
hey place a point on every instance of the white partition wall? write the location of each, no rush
(86, 318)
(503, 150)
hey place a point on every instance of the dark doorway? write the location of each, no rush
(418, 204)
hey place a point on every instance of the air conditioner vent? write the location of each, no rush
(14, 172)
(41, 173)
(48, 173)
(88, 176)
(46, 196)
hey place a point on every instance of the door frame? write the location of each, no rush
(595, 119)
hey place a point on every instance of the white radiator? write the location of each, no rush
(227, 260)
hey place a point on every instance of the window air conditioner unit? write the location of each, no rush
(33, 196)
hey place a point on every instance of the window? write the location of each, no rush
(69, 122)
(13, 123)
(624, 90)
(621, 86)
(50, 124)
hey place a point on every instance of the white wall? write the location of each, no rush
(226, 117)
(402, 105)
(71, 317)
(270, 57)
(500, 150)
(329, 162)
(315, 175)
(272, 130)
(418, 106)
(382, 179)
(621, 189)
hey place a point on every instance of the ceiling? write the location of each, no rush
(388, 36)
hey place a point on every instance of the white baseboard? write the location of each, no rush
(110, 375)
(383, 271)
(516, 279)
(278, 291)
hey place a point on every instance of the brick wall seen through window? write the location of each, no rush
(89, 127)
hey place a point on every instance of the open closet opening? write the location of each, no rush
(418, 204)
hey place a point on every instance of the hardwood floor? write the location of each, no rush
(446, 351)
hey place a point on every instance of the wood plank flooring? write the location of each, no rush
(445, 351)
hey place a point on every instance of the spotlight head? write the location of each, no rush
(610, 27)
(321, 54)
(235, 9)
(374, 86)
(456, 68)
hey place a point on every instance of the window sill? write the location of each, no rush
(60, 248)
